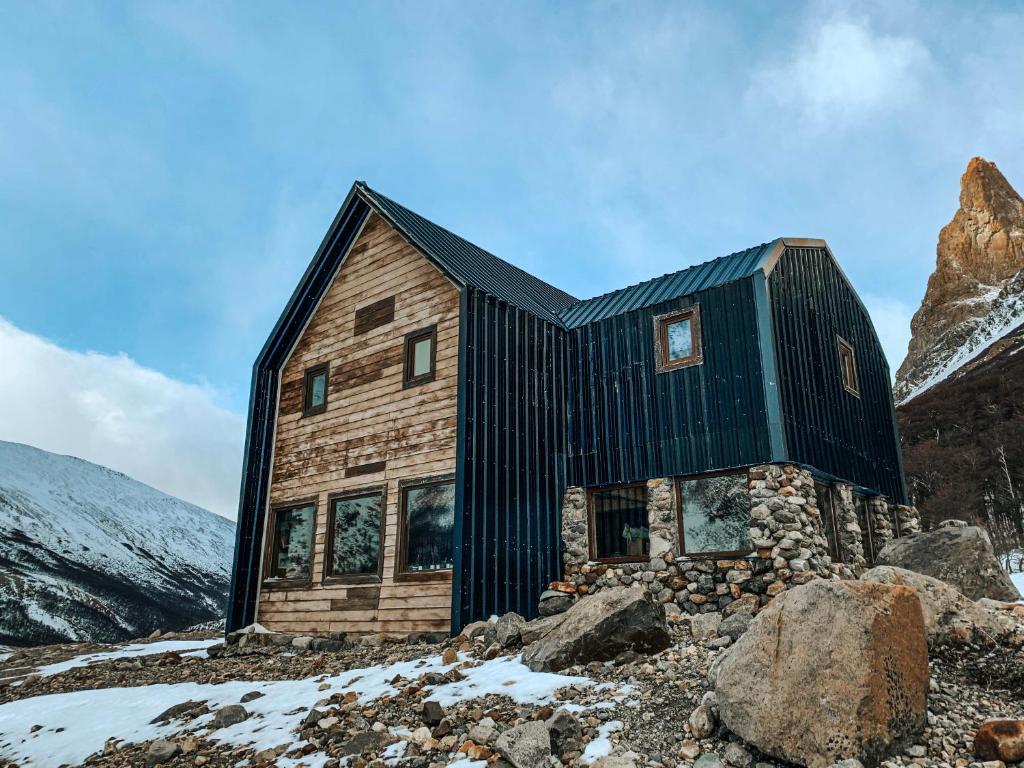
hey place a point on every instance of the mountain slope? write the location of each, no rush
(87, 553)
(976, 294)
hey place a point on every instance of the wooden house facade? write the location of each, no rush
(422, 408)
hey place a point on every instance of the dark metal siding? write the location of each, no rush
(826, 427)
(628, 423)
(259, 436)
(510, 484)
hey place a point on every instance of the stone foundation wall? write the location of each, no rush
(786, 531)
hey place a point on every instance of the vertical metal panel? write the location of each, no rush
(510, 434)
(628, 423)
(828, 428)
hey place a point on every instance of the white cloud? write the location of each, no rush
(112, 411)
(891, 318)
(844, 72)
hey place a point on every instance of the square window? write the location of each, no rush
(291, 549)
(618, 524)
(677, 339)
(428, 520)
(715, 515)
(314, 394)
(420, 355)
(354, 534)
(848, 366)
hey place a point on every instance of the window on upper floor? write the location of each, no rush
(618, 524)
(848, 366)
(715, 514)
(677, 339)
(314, 390)
(427, 522)
(291, 542)
(354, 535)
(420, 356)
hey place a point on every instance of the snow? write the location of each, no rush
(601, 745)
(86, 719)
(184, 647)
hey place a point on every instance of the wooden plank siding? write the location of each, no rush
(370, 419)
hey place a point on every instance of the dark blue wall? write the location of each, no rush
(826, 427)
(628, 423)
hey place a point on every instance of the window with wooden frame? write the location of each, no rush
(677, 340)
(714, 514)
(314, 390)
(618, 524)
(420, 356)
(848, 366)
(426, 523)
(290, 534)
(827, 509)
(355, 535)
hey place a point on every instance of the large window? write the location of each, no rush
(677, 339)
(314, 390)
(848, 366)
(291, 544)
(618, 524)
(715, 515)
(354, 535)
(428, 516)
(420, 355)
(827, 509)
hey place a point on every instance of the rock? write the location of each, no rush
(433, 713)
(708, 760)
(477, 628)
(508, 629)
(526, 746)
(948, 615)
(829, 670)
(689, 750)
(534, 630)
(734, 626)
(176, 711)
(154, 634)
(303, 643)
(364, 743)
(553, 602)
(702, 722)
(229, 715)
(161, 751)
(613, 761)
(599, 628)
(565, 731)
(251, 696)
(704, 626)
(1000, 740)
(961, 557)
(737, 756)
(450, 656)
(483, 732)
(847, 763)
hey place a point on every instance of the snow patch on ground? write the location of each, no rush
(184, 647)
(86, 719)
(602, 745)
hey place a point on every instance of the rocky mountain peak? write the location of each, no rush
(976, 293)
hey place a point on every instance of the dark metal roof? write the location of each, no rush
(718, 271)
(470, 264)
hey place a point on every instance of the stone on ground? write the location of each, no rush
(829, 670)
(734, 626)
(704, 626)
(229, 715)
(948, 615)
(599, 628)
(553, 602)
(565, 731)
(161, 752)
(526, 746)
(508, 630)
(1000, 740)
(961, 557)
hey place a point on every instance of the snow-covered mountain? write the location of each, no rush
(87, 553)
(976, 294)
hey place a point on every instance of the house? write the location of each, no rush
(436, 436)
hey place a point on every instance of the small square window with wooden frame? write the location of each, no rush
(420, 357)
(314, 390)
(848, 366)
(677, 339)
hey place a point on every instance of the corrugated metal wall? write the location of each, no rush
(510, 484)
(628, 423)
(827, 427)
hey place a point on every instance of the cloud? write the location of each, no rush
(112, 411)
(843, 72)
(891, 318)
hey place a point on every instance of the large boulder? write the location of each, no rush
(960, 556)
(829, 670)
(599, 628)
(948, 615)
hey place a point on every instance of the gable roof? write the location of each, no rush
(469, 264)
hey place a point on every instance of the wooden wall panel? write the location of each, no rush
(369, 418)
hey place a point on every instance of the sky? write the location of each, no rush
(168, 169)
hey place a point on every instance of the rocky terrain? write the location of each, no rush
(976, 294)
(87, 553)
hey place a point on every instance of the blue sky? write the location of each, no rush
(167, 170)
